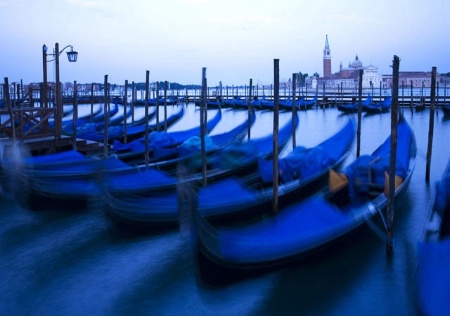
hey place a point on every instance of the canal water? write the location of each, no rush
(61, 262)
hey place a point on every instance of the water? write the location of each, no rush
(56, 262)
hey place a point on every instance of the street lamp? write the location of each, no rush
(72, 56)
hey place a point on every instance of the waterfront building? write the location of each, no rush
(347, 77)
(416, 79)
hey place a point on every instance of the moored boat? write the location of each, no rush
(353, 107)
(378, 107)
(302, 172)
(156, 202)
(305, 226)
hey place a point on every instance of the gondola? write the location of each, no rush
(159, 140)
(88, 117)
(308, 225)
(152, 198)
(70, 177)
(217, 103)
(133, 209)
(240, 103)
(433, 254)
(95, 132)
(90, 123)
(125, 178)
(137, 129)
(446, 110)
(302, 172)
(353, 107)
(257, 102)
(266, 103)
(91, 130)
(378, 107)
(228, 102)
(308, 104)
(287, 103)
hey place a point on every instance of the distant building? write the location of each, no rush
(415, 80)
(326, 59)
(347, 77)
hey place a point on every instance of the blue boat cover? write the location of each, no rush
(297, 227)
(176, 137)
(194, 145)
(60, 157)
(237, 154)
(366, 174)
(302, 162)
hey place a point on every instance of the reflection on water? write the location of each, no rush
(81, 263)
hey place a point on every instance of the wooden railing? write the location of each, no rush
(27, 122)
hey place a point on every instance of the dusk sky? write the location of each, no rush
(234, 39)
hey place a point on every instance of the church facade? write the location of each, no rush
(347, 77)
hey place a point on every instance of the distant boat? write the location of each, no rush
(446, 109)
(240, 103)
(353, 107)
(379, 107)
(266, 103)
(287, 103)
(308, 104)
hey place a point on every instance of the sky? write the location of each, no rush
(236, 40)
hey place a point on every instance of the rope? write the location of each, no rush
(380, 233)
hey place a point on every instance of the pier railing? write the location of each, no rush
(28, 122)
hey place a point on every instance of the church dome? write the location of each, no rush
(356, 64)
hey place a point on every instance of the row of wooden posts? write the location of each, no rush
(339, 97)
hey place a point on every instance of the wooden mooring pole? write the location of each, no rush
(203, 124)
(165, 105)
(105, 118)
(249, 111)
(431, 126)
(133, 99)
(323, 96)
(411, 105)
(276, 99)
(75, 115)
(147, 83)
(7, 100)
(358, 131)
(125, 101)
(58, 114)
(393, 156)
(294, 109)
(92, 103)
(157, 105)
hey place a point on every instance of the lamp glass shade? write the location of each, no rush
(72, 56)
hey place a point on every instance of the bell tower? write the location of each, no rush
(326, 59)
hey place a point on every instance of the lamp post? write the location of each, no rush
(72, 56)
